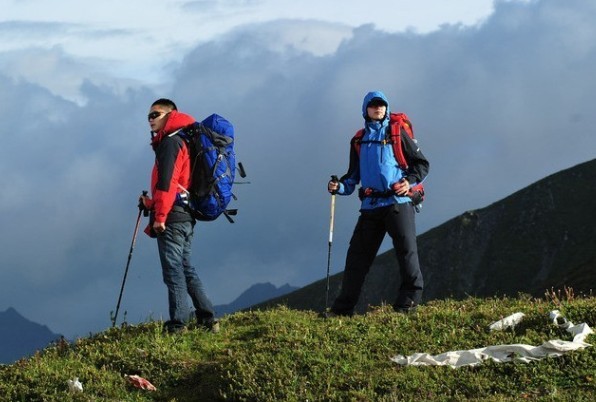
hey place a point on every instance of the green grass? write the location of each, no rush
(288, 355)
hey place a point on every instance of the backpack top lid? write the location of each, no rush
(401, 121)
(219, 124)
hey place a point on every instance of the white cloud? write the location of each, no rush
(135, 40)
(62, 74)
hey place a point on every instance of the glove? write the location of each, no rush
(333, 185)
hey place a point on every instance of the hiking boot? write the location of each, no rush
(405, 309)
(209, 325)
(173, 328)
(333, 314)
(214, 329)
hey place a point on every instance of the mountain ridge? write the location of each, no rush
(257, 293)
(535, 239)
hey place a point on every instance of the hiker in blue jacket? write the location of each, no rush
(387, 207)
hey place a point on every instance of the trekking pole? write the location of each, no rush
(331, 221)
(143, 211)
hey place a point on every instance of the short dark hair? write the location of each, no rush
(165, 102)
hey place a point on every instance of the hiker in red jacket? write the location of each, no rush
(388, 206)
(170, 222)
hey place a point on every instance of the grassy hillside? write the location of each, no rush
(290, 355)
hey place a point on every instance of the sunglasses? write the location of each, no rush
(154, 115)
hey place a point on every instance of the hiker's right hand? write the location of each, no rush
(332, 186)
(159, 227)
(402, 187)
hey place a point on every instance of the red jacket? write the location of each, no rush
(171, 169)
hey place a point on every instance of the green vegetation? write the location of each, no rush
(289, 355)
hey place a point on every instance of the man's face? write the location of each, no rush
(158, 116)
(376, 111)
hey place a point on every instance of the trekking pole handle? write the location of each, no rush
(334, 179)
(142, 206)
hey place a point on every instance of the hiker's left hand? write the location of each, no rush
(146, 202)
(402, 187)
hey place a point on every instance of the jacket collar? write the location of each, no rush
(176, 121)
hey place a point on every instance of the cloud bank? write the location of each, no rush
(496, 106)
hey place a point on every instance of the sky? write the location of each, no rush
(500, 93)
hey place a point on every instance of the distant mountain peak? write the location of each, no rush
(20, 337)
(11, 312)
(255, 294)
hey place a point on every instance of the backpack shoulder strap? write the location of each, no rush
(400, 123)
(357, 140)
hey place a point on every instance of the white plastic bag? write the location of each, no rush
(507, 322)
(506, 353)
(75, 385)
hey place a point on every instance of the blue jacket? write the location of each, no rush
(376, 167)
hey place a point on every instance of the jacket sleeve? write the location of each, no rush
(168, 173)
(349, 181)
(418, 165)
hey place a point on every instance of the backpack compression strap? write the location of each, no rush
(398, 123)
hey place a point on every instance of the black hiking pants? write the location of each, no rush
(399, 222)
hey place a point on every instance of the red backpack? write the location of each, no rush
(398, 122)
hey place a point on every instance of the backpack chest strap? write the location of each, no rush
(392, 137)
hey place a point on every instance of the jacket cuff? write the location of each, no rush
(160, 218)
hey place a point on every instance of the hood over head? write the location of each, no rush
(376, 95)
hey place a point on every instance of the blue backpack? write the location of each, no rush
(213, 168)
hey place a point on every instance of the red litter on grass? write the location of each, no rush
(140, 382)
